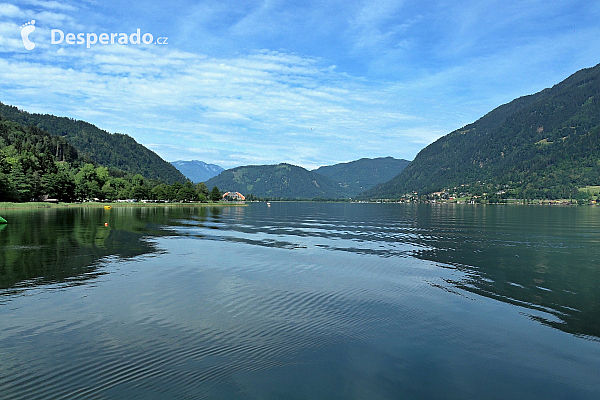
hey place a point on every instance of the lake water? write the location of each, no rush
(301, 301)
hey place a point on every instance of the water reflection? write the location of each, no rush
(542, 258)
(65, 245)
(300, 300)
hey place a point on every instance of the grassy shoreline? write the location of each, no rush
(12, 206)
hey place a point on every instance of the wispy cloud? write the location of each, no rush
(376, 25)
(10, 11)
(283, 106)
(51, 5)
(273, 81)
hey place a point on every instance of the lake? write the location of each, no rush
(301, 301)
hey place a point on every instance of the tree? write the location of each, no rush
(102, 175)
(139, 192)
(121, 186)
(172, 190)
(7, 190)
(21, 183)
(59, 186)
(187, 192)
(87, 185)
(215, 194)
(109, 192)
(137, 180)
(160, 192)
(202, 190)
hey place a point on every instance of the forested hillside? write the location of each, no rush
(360, 175)
(282, 181)
(545, 145)
(34, 164)
(111, 150)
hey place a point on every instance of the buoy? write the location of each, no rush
(3, 221)
(107, 207)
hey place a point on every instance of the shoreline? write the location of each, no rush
(42, 205)
(37, 205)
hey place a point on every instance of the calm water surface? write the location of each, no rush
(301, 301)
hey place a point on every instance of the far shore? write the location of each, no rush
(37, 205)
(33, 204)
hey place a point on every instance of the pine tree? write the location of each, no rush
(215, 194)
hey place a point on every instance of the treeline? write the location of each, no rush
(35, 164)
(96, 183)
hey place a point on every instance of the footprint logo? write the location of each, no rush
(26, 29)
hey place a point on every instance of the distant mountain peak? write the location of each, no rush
(196, 170)
(360, 175)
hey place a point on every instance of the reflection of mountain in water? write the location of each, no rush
(48, 246)
(540, 258)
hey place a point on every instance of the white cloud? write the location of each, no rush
(263, 106)
(52, 5)
(10, 10)
(44, 20)
(377, 24)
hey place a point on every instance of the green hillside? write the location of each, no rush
(35, 165)
(33, 162)
(282, 181)
(111, 150)
(360, 175)
(545, 145)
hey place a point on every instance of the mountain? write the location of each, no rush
(360, 175)
(544, 145)
(282, 181)
(109, 149)
(197, 171)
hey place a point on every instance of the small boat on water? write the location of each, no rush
(268, 204)
(107, 207)
(3, 221)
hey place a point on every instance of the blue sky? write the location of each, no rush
(309, 83)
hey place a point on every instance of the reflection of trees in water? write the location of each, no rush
(531, 265)
(541, 258)
(48, 246)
